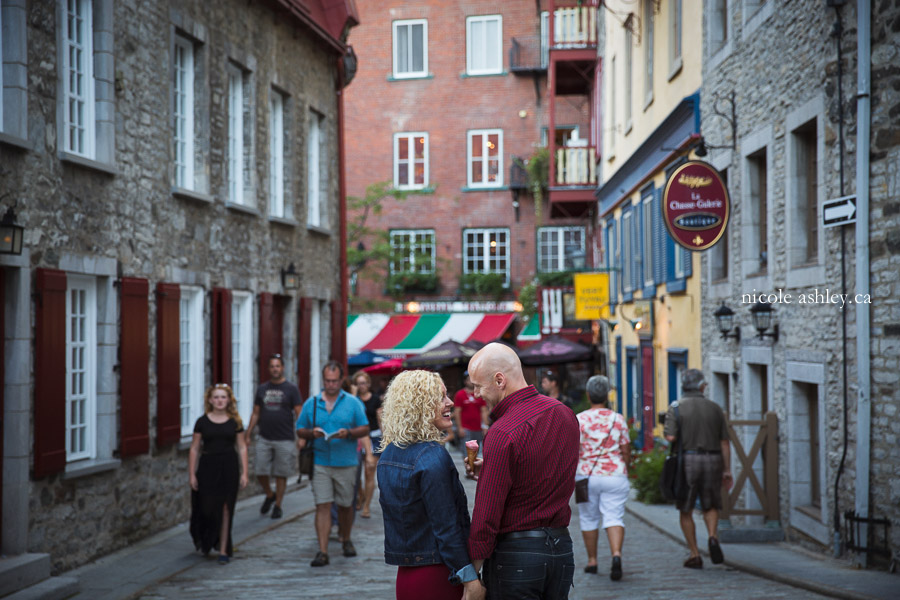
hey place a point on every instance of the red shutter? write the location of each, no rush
(168, 363)
(338, 333)
(304, 340)
(134, 360)
(221, 335)
(50, 373)
(266, 343)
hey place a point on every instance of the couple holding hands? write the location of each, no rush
(517, 536)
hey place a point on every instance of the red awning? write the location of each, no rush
(491, 327)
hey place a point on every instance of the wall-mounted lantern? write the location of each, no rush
(290, 280)
(762, 313)
(11, 234)
(725, 321)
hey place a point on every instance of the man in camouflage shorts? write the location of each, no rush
(707, 461)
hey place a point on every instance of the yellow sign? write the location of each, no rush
(591, 296)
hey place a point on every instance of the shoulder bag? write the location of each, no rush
(672, 482)
(308, 452)
(581, 485)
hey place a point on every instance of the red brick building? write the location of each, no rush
(448, 96)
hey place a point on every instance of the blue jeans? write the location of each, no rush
(531, 569)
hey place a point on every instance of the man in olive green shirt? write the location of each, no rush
(707, 461)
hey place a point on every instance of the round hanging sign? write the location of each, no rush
(696, 205)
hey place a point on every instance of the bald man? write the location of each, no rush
(519, 524)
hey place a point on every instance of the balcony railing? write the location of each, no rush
(576, 166)
(518, 177)
(528, 53)
(575, 26)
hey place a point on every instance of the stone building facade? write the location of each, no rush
(169, 161)
(777, 65)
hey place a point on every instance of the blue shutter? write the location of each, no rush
(671, 248)
(688, 262)
(635, 249)
(639, 246)
(659, 240)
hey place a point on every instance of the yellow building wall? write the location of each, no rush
(672, 80)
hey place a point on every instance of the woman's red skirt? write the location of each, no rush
(429, 581)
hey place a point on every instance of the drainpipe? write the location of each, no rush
(863, 401)
(341, 355)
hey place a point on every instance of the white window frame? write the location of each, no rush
(191, 344)
(419, 240)
(183, 112)
(647, 239)
(485, 158)
(409, 23)
(86, 348)
(409, 138)
(242, 352)
(235, 164)
(676, 39)
(629, 78)
(497, 65)
(314, 170)
(481, 250)
(649, 26)
(627, 252)
(277, 101)
(86, 98)
(545, 39)
(559, 233)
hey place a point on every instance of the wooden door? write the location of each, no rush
(648, 412)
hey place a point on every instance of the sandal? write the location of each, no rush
(366, 514)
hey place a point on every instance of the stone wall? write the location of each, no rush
(130, 216)
(777, 62)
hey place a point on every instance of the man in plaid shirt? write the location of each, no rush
(525, 480)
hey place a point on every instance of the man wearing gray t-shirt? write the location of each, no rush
(275, 408)
(700, 425)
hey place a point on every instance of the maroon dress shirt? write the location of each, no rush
(528, 475)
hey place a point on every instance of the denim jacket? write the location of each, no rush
(426, 517)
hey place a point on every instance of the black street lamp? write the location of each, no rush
(762, 313)
(11, 234)
(290, 280)
(725, 320)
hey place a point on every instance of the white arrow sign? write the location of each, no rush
(839, 211)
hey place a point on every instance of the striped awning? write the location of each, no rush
(532, 331)
(410, 334)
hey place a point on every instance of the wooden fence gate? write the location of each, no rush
(766, 492)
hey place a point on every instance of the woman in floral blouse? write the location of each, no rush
(604, 456)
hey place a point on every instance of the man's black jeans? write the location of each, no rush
(537, 568)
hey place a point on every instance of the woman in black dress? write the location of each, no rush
(372, 402)
(215, 481)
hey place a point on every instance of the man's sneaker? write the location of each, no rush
(267, 504)
(715, 551)
(616, 572)
(320, 560)
(349, 550)
(276, 512)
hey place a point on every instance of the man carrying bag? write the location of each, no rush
(700, 428)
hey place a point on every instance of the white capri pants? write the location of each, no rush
(606, 498)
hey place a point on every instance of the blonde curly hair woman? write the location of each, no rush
(426, 517)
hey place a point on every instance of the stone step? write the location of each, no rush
(22, 571)
(750, 535)
(52, 588)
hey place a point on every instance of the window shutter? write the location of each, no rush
(659, 240)
(304, 339)
(671, 249)
(168, 364)
(635, 250)
(221, 335)
(638, 242)
(620, 277)
(50, 373)
(338, 333)
(266, 333)
(688, 262)
(134, 373)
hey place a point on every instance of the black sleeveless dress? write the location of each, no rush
(218, 479)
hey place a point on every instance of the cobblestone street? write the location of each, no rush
(275, 565)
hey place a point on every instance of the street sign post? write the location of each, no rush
(839, 211)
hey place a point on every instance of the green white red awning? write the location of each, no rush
(410, 334)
